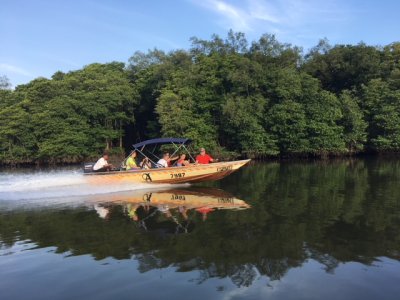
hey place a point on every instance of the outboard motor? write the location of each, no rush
(88, 167)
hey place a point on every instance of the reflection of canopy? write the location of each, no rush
(162, 141)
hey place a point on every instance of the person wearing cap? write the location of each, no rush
(102, 164)
(203, 158)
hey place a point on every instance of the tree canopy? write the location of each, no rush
(255, 99)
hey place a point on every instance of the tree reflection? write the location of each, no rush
(332, 212)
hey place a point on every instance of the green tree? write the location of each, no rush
(353, 123)
(382, 107)
(5, 83)
(178, 119)
(68, 118)
(243, 123)
(17, 139)
(287, 121)
(343, 66)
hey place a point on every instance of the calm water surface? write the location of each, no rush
(292, 230)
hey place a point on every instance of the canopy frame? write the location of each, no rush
(178, 143)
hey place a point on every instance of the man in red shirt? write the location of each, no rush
(203, 158)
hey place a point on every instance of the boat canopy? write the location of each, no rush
(144, 149)
(162, 141)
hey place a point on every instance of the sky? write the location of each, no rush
(40, 37)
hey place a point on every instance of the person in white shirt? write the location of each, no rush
(102, 164)
(163, 162)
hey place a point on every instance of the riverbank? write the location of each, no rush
(116, 159)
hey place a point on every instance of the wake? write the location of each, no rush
(57, 184)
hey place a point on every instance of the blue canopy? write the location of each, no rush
(162, 141)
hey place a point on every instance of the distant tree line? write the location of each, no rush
(260, 99)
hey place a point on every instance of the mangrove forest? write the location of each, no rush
(235, 97)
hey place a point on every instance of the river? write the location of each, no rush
(275, 230)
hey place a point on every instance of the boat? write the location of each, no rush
(173, 175)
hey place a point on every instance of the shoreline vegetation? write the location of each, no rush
(260, 99)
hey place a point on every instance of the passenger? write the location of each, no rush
(163, 162)
(182, 161)
(203, 158)
(131, 163)
(171, 159)
(145, 163)
(102, 164)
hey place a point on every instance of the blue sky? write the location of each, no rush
(39, 37)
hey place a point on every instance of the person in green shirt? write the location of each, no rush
(131, 163)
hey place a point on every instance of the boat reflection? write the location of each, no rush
(178, 206)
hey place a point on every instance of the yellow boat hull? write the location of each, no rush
(186, 174)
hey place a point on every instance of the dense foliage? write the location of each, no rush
(262, 99)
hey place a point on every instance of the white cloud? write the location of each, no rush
(232, 16)
(265, 11)
(288, 18)
(243, 18)
(14, 69)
